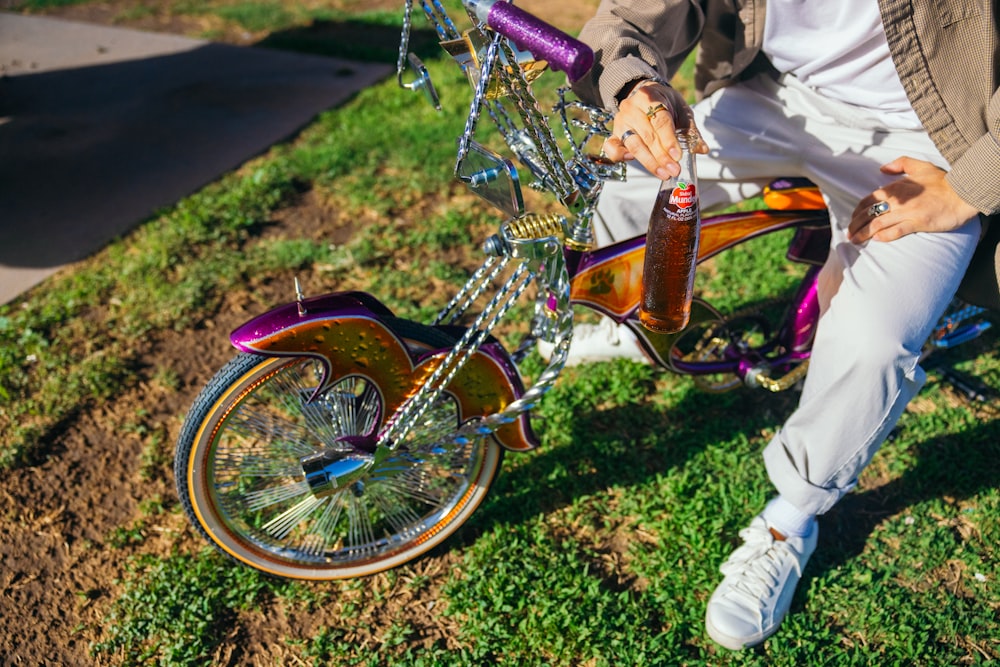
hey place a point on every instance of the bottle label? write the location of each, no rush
(683, 201)
(684, 195)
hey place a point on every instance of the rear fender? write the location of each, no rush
(348, 333)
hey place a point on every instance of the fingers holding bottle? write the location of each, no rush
(645, 126)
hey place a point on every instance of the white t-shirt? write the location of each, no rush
(838, 48)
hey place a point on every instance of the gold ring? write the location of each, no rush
(655, 109)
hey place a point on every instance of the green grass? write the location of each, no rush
(41, 5)
(257, 16)
(168, 275)
(174, 270)
(600, 548)
(180, 613)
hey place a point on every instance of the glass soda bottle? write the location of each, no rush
(672, 247)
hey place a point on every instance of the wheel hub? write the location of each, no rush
(333, 469)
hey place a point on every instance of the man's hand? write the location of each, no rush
(920, 201)
(647, 119)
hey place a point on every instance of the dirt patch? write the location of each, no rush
(71, 521)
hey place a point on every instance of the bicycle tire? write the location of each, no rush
(240, 480)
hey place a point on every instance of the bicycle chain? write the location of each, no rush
(475, 336)
(554, 174)
(712, 337)
(560, 181)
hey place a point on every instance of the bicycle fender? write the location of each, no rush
(346, 332)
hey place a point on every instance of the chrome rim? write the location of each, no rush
(263, 503)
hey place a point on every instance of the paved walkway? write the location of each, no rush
(100, 126)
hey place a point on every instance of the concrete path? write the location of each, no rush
(100, 126)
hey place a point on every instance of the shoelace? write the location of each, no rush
(758, 562)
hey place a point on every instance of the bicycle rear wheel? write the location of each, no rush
(240, 477)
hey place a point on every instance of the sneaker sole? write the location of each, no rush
(736, 643)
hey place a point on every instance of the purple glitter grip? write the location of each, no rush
(545, 42)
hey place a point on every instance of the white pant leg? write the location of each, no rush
(879, 302)
(880, 299)
(864, 365)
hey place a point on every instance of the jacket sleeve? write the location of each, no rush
(974, 174)
(637, 39)
(945, 54)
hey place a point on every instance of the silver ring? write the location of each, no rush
(878, 208)
(626, 134)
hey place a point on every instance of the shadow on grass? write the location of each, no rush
(631, 444)
(354, 40)
(958, 466)
(622, 446)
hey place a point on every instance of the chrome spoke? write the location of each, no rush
(317, 541)
(257, 500)
(280, 526)
(249, 482)
(360, 537)
(399, 515)
(277, 434)
(258, 468)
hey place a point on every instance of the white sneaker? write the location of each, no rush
(761, 576)
(603, 341)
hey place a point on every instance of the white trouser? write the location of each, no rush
(879, 300)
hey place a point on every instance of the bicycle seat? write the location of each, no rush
(784, 194)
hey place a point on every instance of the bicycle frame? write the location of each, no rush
(609, 280)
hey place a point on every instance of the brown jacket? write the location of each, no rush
(947, 53)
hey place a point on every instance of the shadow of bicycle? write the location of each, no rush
(628, 445)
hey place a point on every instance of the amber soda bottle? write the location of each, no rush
(672, 247)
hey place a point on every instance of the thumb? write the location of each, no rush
(897, 166)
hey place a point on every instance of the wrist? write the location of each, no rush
(634, 86)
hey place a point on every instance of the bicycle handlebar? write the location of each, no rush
(544, 41)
